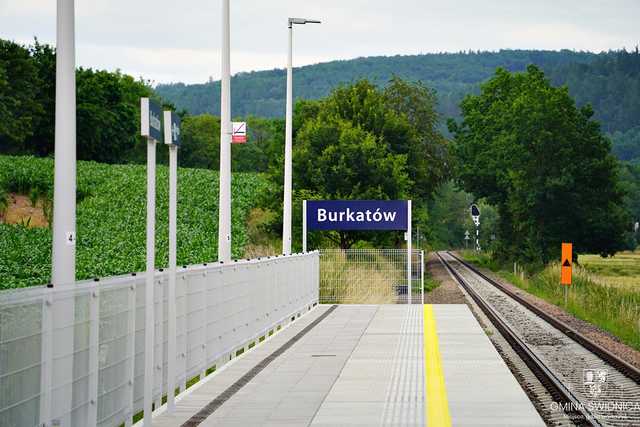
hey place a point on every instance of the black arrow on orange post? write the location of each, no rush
(566, 263)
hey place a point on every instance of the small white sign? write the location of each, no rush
(239, 132)
(70, 238)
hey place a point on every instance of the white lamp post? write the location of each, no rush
(288, 145)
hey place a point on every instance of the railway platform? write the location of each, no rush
(363, 365)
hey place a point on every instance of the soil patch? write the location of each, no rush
(20, 210)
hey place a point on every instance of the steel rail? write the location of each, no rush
(622, 366)
(571, 404)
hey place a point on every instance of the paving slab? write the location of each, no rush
(480, 387)
(364, 365)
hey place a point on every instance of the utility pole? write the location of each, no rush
(224, 202)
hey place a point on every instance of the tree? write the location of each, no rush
(525, 146)
(400, 122)
(200, 146)
(19, 108)
(403, 116)
(44, 59)
(336, 160)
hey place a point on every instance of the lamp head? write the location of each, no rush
(302, 21)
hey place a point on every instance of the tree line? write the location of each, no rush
(609, 81)
(537, 161)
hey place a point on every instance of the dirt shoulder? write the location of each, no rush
(448, 292)
(594, 333)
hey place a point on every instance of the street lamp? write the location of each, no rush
(288, 145)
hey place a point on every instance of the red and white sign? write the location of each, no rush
(239, 132)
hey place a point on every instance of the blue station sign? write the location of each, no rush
(172, 128)
(151, 119)
(357, 215)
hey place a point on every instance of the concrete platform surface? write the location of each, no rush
(363, 365)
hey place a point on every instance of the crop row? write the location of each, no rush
(111, 218)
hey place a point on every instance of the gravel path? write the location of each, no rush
(448, 292)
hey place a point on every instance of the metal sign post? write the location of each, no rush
(172, 139)
(409, 253)
(566, 269)
(475, 215)
(304, 226)
(360, 215)
(151, 128)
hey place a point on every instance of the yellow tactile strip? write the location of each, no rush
(437, 405)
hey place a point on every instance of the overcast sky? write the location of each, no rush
(170, 40)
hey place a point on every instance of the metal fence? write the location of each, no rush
(370, 276)
(75, 355)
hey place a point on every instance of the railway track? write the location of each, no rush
(585, 381)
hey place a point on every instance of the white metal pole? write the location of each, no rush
(57, 371)
(288, 148)
(304, 226)
(149, 345)
(158, 358)
(422, 275)
(64, 191)
(409, 251)
(171, 291)
(224, 211)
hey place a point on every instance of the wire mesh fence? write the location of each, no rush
(74, 355)
(370, 276)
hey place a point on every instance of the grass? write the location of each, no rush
(593, 298)
(430, 283)
(621, 271)
(367, 277)
(111, 219)
(360, 277)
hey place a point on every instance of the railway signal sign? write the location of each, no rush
(567, 261)
(239, 132)
(475, 214)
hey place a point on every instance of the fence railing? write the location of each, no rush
(370, 276)
(74, 355)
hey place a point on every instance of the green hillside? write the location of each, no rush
(609, 81)
(111, 218)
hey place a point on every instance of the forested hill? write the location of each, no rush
(609, 81)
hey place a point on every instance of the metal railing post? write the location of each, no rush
(131, 355)
(422, 274)
(94, 349)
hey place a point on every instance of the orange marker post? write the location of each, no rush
(567, 261)
(565, 269)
